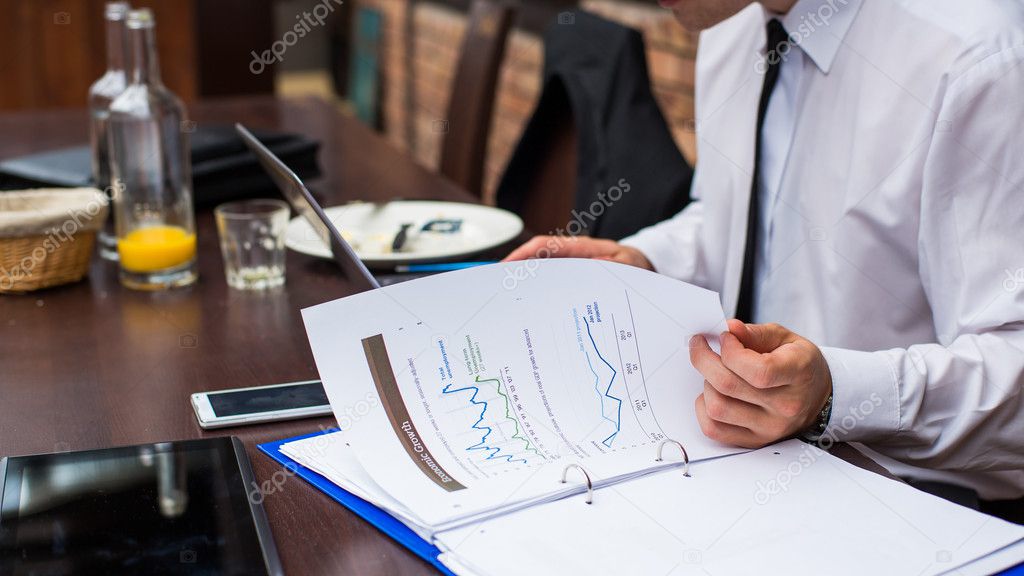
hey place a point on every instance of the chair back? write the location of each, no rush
(364, 71)
(548, 195)
(472, 97)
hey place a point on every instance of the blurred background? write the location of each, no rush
(391, 62)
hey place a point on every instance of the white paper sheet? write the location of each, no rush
(463, 396)
(789, 508)
(497, 376)
(994, 563)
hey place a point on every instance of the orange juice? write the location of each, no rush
(156, 248)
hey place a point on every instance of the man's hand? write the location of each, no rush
(768, 384)
(581, 247)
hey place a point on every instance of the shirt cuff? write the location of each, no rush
(865, 396)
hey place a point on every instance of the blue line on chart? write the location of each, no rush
(618, 418)
(482, 445)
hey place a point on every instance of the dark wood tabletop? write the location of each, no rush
(94, 365)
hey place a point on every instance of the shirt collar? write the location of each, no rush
(819, 27)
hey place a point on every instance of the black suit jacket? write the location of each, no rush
(596, 71)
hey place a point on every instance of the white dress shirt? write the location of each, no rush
(892, 229)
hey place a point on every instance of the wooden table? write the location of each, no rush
(94, 365)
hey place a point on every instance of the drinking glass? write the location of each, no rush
(252, 242)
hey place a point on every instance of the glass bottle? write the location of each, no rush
(151, 171)
(101, 94)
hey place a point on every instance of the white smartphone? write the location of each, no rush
(241, 406)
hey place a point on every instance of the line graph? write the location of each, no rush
(617, 421)
(485, 444)
(632, 374)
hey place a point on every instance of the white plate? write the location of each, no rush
(371, 228)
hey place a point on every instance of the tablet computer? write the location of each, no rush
(303, 202)
(189, 507)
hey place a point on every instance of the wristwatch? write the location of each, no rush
(817, 429)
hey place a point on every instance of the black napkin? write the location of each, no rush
(223, 168)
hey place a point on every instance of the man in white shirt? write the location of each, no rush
(877, 155)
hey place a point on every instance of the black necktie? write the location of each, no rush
(777, 36)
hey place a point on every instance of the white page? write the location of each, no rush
(454, 564)
(789, 508)
(509, 371)
(329, 456)
(994, 563)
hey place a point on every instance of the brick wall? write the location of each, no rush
(413, 119)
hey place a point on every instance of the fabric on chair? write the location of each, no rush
(596, 71)
(364, 74)
(471, 102)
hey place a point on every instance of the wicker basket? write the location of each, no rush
(47, 236)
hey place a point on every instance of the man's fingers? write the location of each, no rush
(728, 410)
(725, 381)
(722, 432)
(632, 257)
(592, 248)
(759, 370)
(564, 247)
(759, 337)
(706, 361)
(740, 385)
(627, 257)
(529, 249)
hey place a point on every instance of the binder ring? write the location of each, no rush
(590, 485)
(686, 457)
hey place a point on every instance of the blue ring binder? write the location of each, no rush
(383, 521)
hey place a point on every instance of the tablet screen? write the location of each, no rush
(169, 508)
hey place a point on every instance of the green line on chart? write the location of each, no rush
(508, 414)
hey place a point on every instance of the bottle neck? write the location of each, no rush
(116, 45)
(145, 66)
